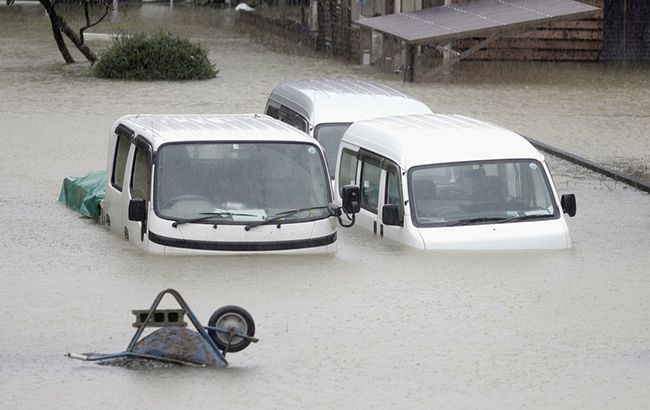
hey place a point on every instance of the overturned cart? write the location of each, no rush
(230, 329)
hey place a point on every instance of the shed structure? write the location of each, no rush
(480, 18)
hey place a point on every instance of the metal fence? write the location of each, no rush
(334, 39)
(286, 29)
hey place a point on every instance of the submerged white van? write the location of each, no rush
(452, 182)
(180, 184)
(324, 109)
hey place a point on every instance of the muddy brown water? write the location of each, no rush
(374, 325)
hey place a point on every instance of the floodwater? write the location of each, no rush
(372, 326)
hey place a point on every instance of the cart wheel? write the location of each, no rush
(231, 317)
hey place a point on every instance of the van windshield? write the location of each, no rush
(480, 192)
(240, 183)
(329, 137)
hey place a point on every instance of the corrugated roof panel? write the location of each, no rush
(456, 21)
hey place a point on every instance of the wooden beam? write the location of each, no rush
(514, 43)
(536, 55)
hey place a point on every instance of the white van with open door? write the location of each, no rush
(451, 182)
(324, 109)
(179, 184)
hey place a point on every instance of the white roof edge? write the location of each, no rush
(413, 140)
(164, 128)
(303, 96)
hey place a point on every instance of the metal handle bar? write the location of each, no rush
(107, 356)
(226, 331)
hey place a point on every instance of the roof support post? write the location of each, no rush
(313, 16)
(389, 45)
(366, 46)
(409, 66)
(446, 51)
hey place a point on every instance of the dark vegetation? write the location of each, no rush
(159, 56)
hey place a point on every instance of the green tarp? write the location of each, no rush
(84, 193)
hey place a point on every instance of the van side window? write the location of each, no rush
(119, 161)
(370, 174)
(329, 136)
(141, 175)
(292, 118)
(347, 170)
(301, 123)
(393, 187)
(272, 111)
(393, 193)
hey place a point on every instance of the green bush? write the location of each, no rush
(159, 56)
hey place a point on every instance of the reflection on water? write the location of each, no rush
(375, 325)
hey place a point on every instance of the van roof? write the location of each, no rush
(160, 129)
(331, 101)
(413, 140)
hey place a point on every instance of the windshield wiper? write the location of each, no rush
(498, 219)
(469, 221)
(208, 215)
(281, 215)
(525, 217)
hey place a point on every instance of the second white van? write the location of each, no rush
(324, 109)
(451, 182)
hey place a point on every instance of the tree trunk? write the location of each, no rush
(56, 31)
(61, 26)
(90, 56)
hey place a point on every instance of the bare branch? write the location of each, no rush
(56, 21)
(78, 42)
(60, 27)
(88, 23)
(86, 2)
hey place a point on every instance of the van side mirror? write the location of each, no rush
(350, 197)
(138, 210)
(568, 202)
(390, 215)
